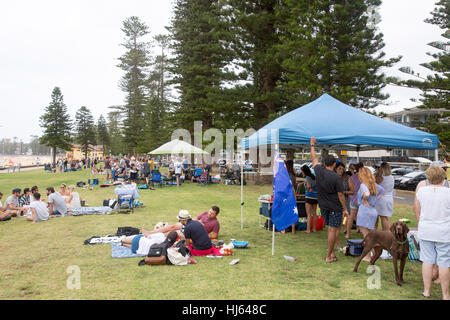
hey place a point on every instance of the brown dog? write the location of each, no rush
(394, 241)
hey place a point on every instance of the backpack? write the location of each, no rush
(127, 231)
(80, 184)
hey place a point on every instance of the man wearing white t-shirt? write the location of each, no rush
(178, 170)
(38, 208)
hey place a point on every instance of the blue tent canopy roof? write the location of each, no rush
(339, 126)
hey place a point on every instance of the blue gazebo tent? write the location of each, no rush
(337, 126)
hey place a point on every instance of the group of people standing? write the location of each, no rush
(129, 168)
(336, 191)
(370, 198)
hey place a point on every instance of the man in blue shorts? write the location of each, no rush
(331, 198)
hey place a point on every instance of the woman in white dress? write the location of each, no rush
(73, 201)
(385, 205)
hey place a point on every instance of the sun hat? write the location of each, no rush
(183, 215)
(438, 164)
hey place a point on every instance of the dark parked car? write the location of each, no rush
(410, 180)
(401, 171)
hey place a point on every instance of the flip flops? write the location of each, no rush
(425, 295)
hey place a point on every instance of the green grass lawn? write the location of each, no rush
(35, 258)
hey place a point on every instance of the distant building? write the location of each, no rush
(77, 154)
(416, 118)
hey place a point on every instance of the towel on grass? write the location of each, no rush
(123, 252)
(89, 211)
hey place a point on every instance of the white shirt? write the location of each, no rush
(145, 243)
(434, 221)
(75, 202)
(177, 167)
(40, 207)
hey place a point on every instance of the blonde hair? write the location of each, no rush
(386, 169)
(368, 179)
(71, 188)
(435, 175)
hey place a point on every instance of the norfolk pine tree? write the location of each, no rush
(56, 125)
(330, 46)
(85, 133)
(201, 57)
(435, 87)
(134, 62)
(103, 135)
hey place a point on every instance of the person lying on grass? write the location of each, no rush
(38, 210)
(141, 244)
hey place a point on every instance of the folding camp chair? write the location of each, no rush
(203, 180)
(127, 199)
(197, 174)
(94, 182)
(157, 178)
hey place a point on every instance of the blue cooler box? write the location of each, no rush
(355, 247)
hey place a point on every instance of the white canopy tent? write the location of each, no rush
(177, 147)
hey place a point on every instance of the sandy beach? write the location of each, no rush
(23, 160)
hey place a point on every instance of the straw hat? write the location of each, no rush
(183, 215)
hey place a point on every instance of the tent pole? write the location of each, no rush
(357, 153)
(242, 189)
(436, 155)
(273, 226)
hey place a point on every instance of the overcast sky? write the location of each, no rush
(75, 45)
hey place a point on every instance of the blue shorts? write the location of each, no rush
(135, 243)
(435, 253)
(332, 218)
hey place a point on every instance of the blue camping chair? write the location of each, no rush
(197, 174)
(156, 178)
(94, 182)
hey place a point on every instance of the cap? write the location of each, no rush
(183, 215)
(15, 190)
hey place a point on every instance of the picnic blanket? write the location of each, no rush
(89, 211)
(123, 252)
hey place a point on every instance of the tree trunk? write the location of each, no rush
(53, 156)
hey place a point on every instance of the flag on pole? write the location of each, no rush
(284, 208)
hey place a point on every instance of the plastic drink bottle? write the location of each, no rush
(290, 258)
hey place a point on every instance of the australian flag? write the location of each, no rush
(284, 208)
